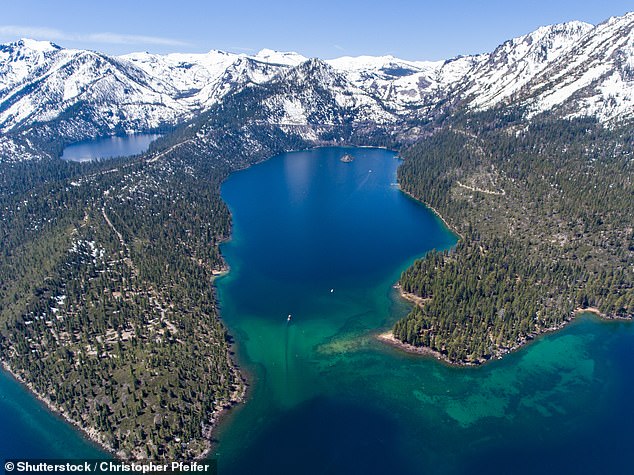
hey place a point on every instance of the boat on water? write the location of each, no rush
(288, 319)
(347, 158)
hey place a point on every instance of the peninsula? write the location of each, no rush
(107, 305)
(546, 231)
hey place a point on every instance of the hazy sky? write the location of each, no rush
(421, 30)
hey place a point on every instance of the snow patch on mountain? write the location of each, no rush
(394, 81)
(112, 91)
(188, 74)
(516, 62)
(572, 69)
(596, 78)
(277, 57)
(19, 60)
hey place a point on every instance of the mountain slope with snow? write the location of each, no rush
(570, 69)
(403, 84)
(108, 91)
(595, 78)
(514, 63)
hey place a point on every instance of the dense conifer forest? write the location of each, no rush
(545, 214)
(107, 306)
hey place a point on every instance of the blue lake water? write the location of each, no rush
(29, 430)
(324, 241)
(108, 147)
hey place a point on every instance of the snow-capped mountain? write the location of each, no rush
(187, 73)
(203, 79)
(315, 93)
(62, 84)
(390, 79)
(41, 82)
(594, 78)
(21, 60)
(570, 69)
(401, 84)
(502, 73)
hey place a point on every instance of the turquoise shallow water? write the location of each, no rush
(324, 241)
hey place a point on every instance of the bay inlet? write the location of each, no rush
(324, 241)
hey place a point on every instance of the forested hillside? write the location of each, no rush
(107, 308)
(106, 297)
(546, 217)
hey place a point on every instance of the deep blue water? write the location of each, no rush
(324, 241)
(29, 430)
(108, 147)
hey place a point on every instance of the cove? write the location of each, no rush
(324, 241)
(108, 147)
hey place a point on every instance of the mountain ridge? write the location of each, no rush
(572, 69)
(141, 234)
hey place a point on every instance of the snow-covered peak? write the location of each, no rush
(313, 70)
(355, 63)
(214, 60)
(315, 94)
(572, 68)
(387, 65)
(617, 20)
(203, 79)
(569, 28)
(36, 45)
(210, 60)
(455, 69)
(27, 50)
(395, 81)
(595, 78)
(517, 61)
(20, 59)
(190, 74)
(279, 57)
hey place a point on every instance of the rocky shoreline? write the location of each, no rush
(420, 301)
(95, 437)
(435, 211)
(389, 338)
(89, 432)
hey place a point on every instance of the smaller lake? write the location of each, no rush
(108, 147)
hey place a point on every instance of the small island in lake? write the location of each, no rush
(347, 158)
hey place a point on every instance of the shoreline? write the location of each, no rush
(434, 210)
(215, 273)
(87, 433)
(94, 437)
(388, 338)
(413, 298)
(216, 417)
